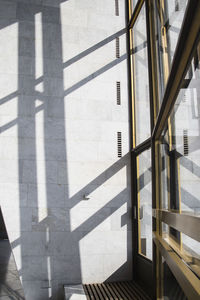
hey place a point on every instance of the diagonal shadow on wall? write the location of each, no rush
(50, 249)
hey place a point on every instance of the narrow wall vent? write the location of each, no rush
(185, 142)
(119, 144)
(116, 7)
(117, 48)
(118, 86)
(177, 5)
(184, 98)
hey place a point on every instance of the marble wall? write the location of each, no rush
(65, 193)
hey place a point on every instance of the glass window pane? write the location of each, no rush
(145, 204)
(141, 79)
(181, 147)
(164, 178)
(169, 18)
(191, 249)
(179, 164)
(187, 248)
(171, 288)
(133, 3)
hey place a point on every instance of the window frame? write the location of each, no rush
(189, 37)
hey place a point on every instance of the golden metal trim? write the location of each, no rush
(185, 277)
(175, 79)
(192, 261)
(189, 224)
(135, 13)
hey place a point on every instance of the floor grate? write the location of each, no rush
(124, 290)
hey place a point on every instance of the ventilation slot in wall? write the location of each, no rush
(116, 7)
(117, 48)
(118, 93)
(176, 5)
(119, 144)
(185, 142)
(184, 98)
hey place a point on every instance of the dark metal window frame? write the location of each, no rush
(188, 39)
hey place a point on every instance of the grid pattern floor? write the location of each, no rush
(115, 291)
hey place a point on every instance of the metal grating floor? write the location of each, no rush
(115, 291)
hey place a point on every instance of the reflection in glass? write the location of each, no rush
(169, 17)
(191, 249)
(133, 3)
(164, 161)
(171, 289)
(180, 163)
(141, 84)
(187, 248)
(181, 146)
(144, 204)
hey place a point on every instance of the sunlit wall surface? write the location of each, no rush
(64, 182)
